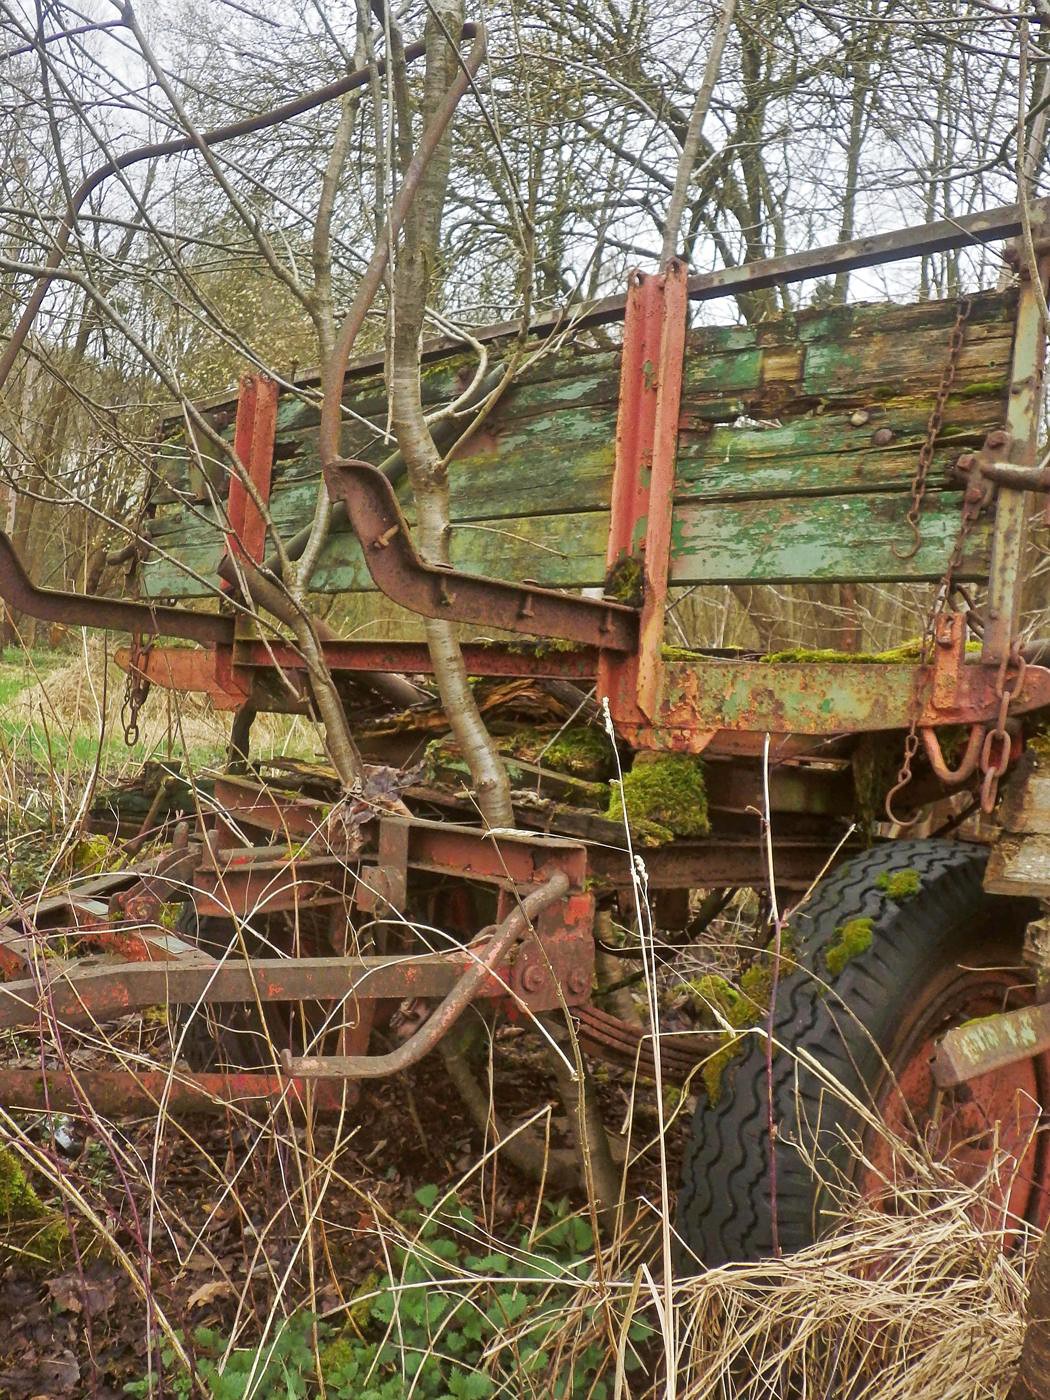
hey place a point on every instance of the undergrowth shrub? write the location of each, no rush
(435, 1325)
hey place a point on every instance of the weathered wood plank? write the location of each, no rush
(823, 539)
(783, 541)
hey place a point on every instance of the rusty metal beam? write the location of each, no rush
(92, 610)
(705, 697)
(84, 993)
(398, 571)
(128, 1093)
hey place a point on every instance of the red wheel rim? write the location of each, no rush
(991, 1122)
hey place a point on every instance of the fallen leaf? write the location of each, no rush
(208, 1292)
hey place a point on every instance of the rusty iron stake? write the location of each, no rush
(253, 440)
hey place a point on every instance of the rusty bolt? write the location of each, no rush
(882, 437)
(996, 439)
(966, 462)
(859, 417)
(578, 981)
(532, 978)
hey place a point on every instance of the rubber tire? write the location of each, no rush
(724, 1209)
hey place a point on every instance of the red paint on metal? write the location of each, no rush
(190, 669)
(985, 1132)
(253, 441)
(643, 481)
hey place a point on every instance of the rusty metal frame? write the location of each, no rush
(398, 571)
(19, 593)
(651, 368)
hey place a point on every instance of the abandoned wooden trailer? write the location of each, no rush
(890, 444)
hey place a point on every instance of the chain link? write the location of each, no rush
(996, 751)
(136, 689)
(933, 428)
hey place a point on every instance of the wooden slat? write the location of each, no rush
(801, 494)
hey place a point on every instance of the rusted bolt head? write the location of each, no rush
(578, 981)
(859, 417)
(966, 462)
(995, 439)
(532, 978)
(882, 437)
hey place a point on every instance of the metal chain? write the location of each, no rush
(136, 689)
(933, 428)
(974, 501)
(995, 754)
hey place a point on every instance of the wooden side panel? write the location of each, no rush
(780, 476)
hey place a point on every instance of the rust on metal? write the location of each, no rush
(643, 480)
(253, 440)
(819, 698)
(398, 571)
(89, 991)
(93, 610)
(127, 1093)
(482, 972)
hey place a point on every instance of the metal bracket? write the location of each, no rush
(92, 610)
(398, 571)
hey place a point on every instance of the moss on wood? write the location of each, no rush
(662, 797)
(27, 1226)
(582, 750)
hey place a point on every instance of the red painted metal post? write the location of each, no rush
(253, 440)
(643, 482)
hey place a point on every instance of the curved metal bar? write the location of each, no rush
(968, 765)
(513, 929)
(19, 592)
(399, 572)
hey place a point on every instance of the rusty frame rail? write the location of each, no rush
(93, 610)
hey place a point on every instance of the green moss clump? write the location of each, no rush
(91, 855)
(851, 939)
(625, 580)
(899, 884)
(168, 916)
(907, 651)
(31, 1227)
(739, 1006)
(983, 388)
(582, 750)
(662, 798)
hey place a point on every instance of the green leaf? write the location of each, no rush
(426, 1196)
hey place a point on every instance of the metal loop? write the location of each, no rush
(968, 764)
